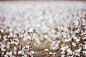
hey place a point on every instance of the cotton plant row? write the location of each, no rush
(73, 40)
(11, 47)
(74, 44)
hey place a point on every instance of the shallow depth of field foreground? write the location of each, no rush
(43, 29)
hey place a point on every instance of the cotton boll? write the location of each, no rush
(15, 48)
(20, 47)
(32, 56)
(5, 39)
(9, 53)
(35, 53)
(45, 36)
(75, 37)
(25, 55)
(66, 40)
(62, 55)
(46, 53)
(2, 49)
(32, 52)
(78, 50)
(16, 43)
(27, 47)
(84, 52)
(2, 30)
(64, 48)
(46, 50)
(28, 37)
(69, 51)
(15, 52)
(77, 54)
(63, 45)
(73, 44)
(31, 30)
(50, 53)
(22, 31)
(16, 40)
(77, 40)
(62, 52)
(21, 52)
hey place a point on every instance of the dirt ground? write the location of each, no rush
(40, 54)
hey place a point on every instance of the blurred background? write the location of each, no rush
(49, 18)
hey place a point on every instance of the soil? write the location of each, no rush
(40, 54)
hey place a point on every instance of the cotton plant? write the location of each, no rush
(74, 39)
(11, 47)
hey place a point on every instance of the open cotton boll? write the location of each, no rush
(35, 53)
(46, 50)
(2, 30)
(31, 30)
(21, 52)
(77, 54)
(78, 50)
(52, 54)
(16, 40)
(62, 52)
(46, 53)
(16, 43)
(62, 55)
(9, 53)
(32, 52)
(84, 53)
(28, 37)
(31, 55)
(5, 39)
(2, 49)
(63, 48)
(73, 44)
(69, 51)
(15, 52)
(25, 55)
(15, 48)
(77, 40)
(27, 47)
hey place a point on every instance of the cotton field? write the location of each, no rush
(53, 26)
